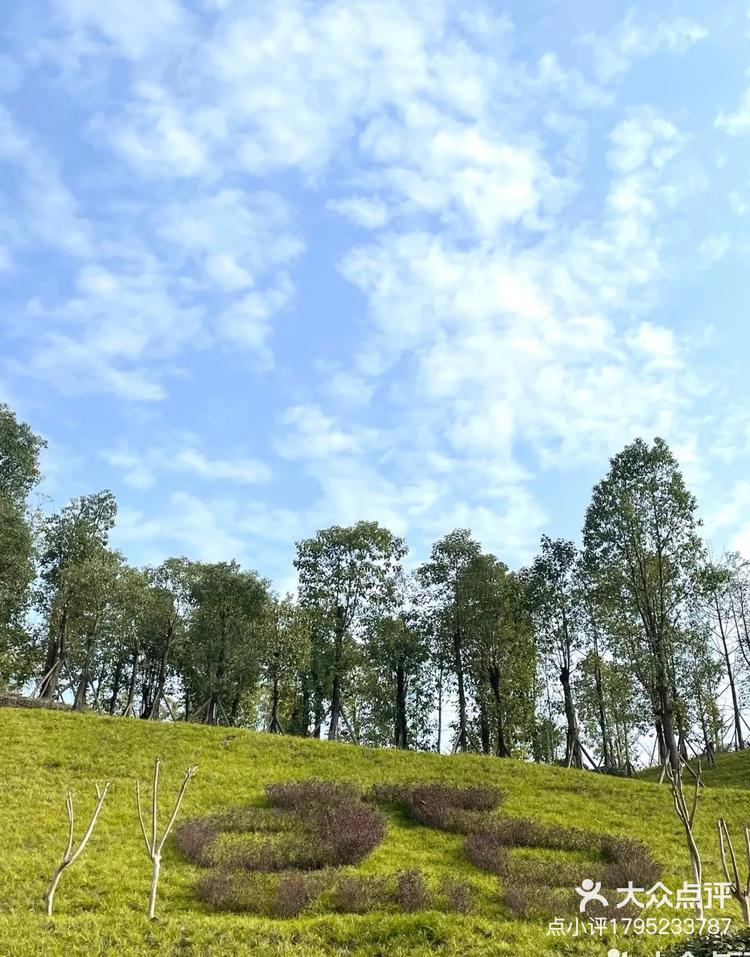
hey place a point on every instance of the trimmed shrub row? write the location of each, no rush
(439, 805)
(289, 893)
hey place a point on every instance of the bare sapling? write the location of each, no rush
(155, 844)
(740, 891)
(686, 814)
(70, 856)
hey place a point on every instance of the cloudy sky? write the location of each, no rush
(269, 265)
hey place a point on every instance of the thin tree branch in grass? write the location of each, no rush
(70, 856)
(740, 894)
(687, 817)
(154, 845)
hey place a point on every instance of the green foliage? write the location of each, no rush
(642, 555)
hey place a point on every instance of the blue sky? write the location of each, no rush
(269, 266)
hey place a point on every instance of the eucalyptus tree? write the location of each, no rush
(612, 709)
(554, 602)
(93, 581)
(285, 657)
(224, 642)
(720, 590)
(445, 582)
(19, 473)
(345, 574)
(73, 540)
(641, 543)
(122, 665)
(501, 653)
(162, 624)
(397, 656)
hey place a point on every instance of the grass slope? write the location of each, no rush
(100, 905)
(732, 771)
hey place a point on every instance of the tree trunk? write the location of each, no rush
(573, 756)
(131, 683)
(501, 749)
(738, 737)
(338, 648)
(400, 738)
(161, 678)
(116, 679)
(273, 723)
(54, 658)
(439, 709)
(458, 665)
(606, 747)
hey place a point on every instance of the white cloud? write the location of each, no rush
(141, 466)
(643, 138)
(636, 38)
(371, 213)
(736, 123)
(309, 433)
(714, 248)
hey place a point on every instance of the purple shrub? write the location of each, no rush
(347, 833)
(487, 851)
(628, 861)
(411, 891)
(194, 839)
(458, 895)
(294, 892)
(440, 806)
(359, 894)
(304, 796)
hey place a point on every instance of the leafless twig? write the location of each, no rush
(70, 855)
(687, 817)
(154, 844)
(740, 892)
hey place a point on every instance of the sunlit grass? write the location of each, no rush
(101, 901)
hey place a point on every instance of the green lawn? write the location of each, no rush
(101, 901)
(732, 771)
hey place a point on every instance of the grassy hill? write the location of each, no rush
(732, 771)
(100, 906)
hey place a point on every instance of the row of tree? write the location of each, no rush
(573, 658)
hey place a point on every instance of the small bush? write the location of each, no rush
(305, 796)
(486, 850)
(242, 819)
(359, 894)
(520, 832)
(458, 895)
(347, 833)
(411, 891)
(294, 892)
(217, 888)
(270, 855)
(628, 861)
(528, 901)
(623, 859)
(194, 838)
(440, 805)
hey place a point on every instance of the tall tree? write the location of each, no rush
(19, 473)
(501, 654)
(343, 574)
(224, 645)
(285, 656)
(719, 583)
(641, 544)
(556, 613)
(161, 632)
(445, 581)
(72, 539)
(397, 651)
